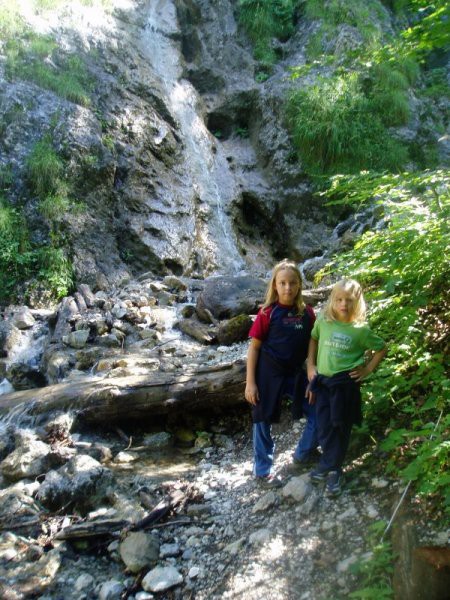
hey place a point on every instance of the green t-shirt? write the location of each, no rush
(342, 345)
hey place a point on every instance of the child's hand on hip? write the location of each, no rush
(251, 394)
(360, 373)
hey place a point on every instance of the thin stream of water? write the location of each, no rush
(213, 185)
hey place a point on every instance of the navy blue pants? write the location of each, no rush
(338, 407)
(334, 441)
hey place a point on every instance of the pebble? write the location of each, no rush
(193, 572)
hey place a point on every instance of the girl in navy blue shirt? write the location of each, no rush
(279, 343)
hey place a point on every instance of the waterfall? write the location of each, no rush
(213, 186)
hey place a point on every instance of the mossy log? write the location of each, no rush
(118, 399)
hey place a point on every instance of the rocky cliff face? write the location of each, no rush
(180, 157)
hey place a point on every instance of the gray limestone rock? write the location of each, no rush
(161, 579)
(83, 481)
(139, 550)
(23, 318)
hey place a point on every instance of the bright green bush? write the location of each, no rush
(336, 127)
(24, 263)
(374, 570)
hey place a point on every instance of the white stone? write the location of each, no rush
(160, 579)
(24, 319)
(343, 565)
(379, 483)
(234, 547)
(327, 525)
(350, 512)
(194, 572)
(144, 596)
(125, 457)
(139, 550)
(261, 536)
(84, 581)
(111, 590)
(297, 488)
(166, 550)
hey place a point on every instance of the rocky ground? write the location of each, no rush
(167, 507)
(227, 538)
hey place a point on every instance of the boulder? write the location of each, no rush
(83, 482)
(23, 318)
(26, 461)
(23, 376)
(226, 297)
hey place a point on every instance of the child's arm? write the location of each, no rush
(364, 371)
(311, 367)
(312, 357)
(251, 390)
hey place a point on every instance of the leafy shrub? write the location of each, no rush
(405, 269)
(374, 570)
(14, 249)
(22, 261)
(53, 208)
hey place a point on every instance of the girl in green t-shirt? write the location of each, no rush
(339, 342)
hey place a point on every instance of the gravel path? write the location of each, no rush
(236, 539)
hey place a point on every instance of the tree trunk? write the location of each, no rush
(121, 398)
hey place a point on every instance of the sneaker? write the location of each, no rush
(333, 486)
(269, 481)
(318, 475)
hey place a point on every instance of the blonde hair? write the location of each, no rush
(354, 290)
(271, 292)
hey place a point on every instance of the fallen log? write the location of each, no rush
(112, 400)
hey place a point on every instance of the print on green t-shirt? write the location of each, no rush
(342, 345)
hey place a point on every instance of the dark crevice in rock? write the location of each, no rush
(255, 222)
(174, 266)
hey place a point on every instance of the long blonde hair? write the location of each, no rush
(271, 292)
(354, 290)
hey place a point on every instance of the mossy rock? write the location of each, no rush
(184, 437)
(234, 330)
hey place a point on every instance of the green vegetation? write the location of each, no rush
(37, 58)
(22, 259)
(44, 168)
(364, 16)
(337, 126)
(263, 21)
(406, 270)
(374, 569)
